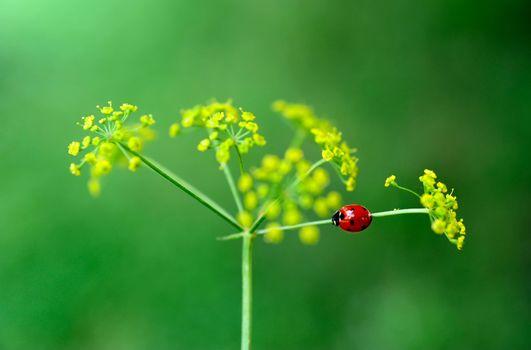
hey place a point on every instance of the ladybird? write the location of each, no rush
(352, 218)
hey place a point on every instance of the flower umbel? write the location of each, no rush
(267, 186)
(101, 148)
(334, 148)
(442, 207)
(228, 128)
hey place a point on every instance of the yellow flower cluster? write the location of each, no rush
(334, 149)
(227, 128)
(268, 187)
(103, 146)
(442, 207)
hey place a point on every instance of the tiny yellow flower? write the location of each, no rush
(106, 109)
(248, 116)
(333, 200)
(245, 182)
(273, 234)
(430, 173)
(250, 201)
(309, 235)
(135, 144)
(73, 148)
(88, 122)
(203, 145)
(213, 135)
(270, 162)
(74, 169)
(351, 184)
(442, 187)
(321, 208)
(427, 200)
(134, 163)
(245, 219)
(259, 140)
(320, 176)
(126, 107)
(460, 242)
(438, 226)
(175, 129)
(147, 120)
(391, 180)
(294, 155)
(95, 141)
(102, 167)
(90, 158)
(273, 210)
(107, 149)
(292, 216)
(86, 142)
(327, 155)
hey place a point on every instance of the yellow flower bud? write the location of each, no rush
(107, 149)
(102, 167)
(250, 201)
(88, 122)
(309, 235)
(273, 234)
(320, 176)
(147, 120)
(126, 107)
(327, 155)
(333, 200)
(73, 148)
(248, 116)
(427, 200)
(294, 155)
(134, 163)
(245, 183)
(203, 145)
(74, 169)
(86, 142)
(245, 219)
(292, 216)
(438, 226)
(321, 208)
(391, 180)
(175, 129)
(460, 242)
(135, 144)
(90, 158)
(273, 210)
(259, 140)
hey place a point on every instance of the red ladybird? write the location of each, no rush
(352, 218)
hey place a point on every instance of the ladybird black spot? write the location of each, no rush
(352, 222)
(363, 227)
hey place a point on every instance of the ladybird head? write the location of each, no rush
(337, 217)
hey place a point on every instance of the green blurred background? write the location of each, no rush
(438, 84)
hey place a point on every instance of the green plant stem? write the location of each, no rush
(400, 212)
(247, 289)
(186, 187)
(407, 190)
(293, 227)
(234, 191)
(327, 221)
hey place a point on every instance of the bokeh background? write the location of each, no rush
(438, 84)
